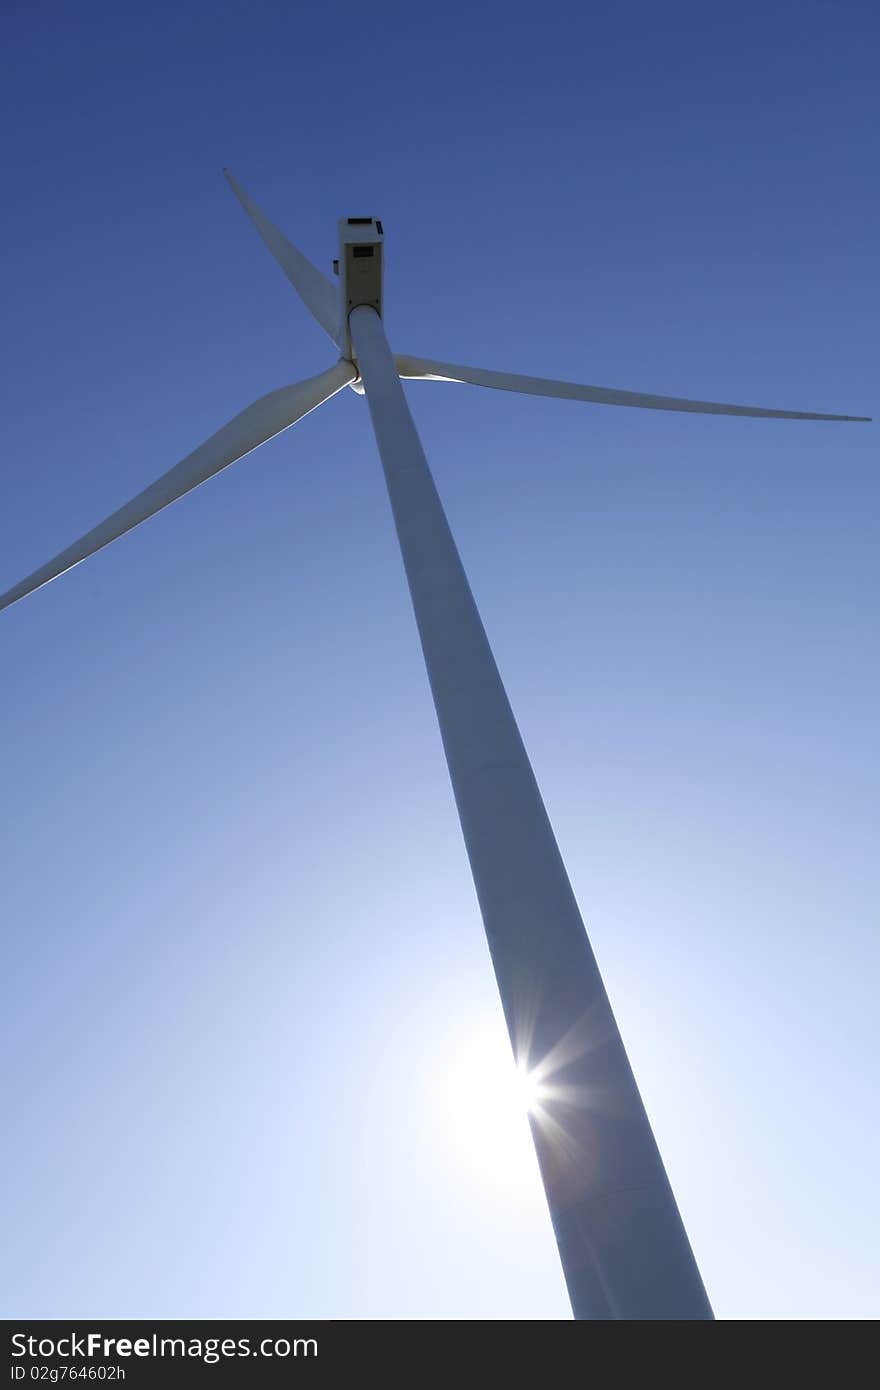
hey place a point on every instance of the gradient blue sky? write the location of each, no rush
(255, 1057)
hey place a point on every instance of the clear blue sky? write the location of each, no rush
(256, 1059)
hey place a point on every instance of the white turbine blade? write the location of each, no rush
(261, 421)
(421, 368)
(319, 295)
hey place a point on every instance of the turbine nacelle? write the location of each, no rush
(361, 270)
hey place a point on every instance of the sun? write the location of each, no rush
(480, 1101)
(529, 1089)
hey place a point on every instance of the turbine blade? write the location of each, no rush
(267, 417)
(421, 368)
(319, 295)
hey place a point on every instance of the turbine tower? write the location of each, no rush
(622, 1243)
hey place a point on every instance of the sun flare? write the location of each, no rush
(530, 1090)
(480, 1101)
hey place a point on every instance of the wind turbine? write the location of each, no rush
(622, 1243)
